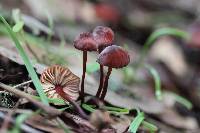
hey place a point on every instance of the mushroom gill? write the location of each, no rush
(60, 82)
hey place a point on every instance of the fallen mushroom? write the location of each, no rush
(112, 57)
(84, 42)
(104, 37)
(59, 82)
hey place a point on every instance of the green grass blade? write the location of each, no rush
(116, 109)
(20, 119)
(157, 81)
(112, 110)
(56, 101)
(88, 108)
(181, 100)
(149, 126)
(27, 62)
(18, 26)
(162, 32)
(63, 126)
(136, 122)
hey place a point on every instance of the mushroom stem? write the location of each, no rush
(78, 109)
(101, 78)
(83, 76)
(105, 86)
(100, 82)
(60, 91)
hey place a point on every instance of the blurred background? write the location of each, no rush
(50, 27)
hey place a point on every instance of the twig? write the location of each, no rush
(22, 84)
(21, 111)
(62, 125)
(24, 127)
(49, 110)
(6, 121)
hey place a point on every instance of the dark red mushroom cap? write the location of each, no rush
(85, 42)
(104, 36)
(114, 56)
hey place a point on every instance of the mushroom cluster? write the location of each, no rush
(112, 56)
(60, 82)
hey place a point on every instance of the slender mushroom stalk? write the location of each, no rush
(101, 77)
(104, 37)
(104, 91)
(60, 91)
(84, 42)
(59, 82)
(100, 82)
(112, 57)
(83, 75)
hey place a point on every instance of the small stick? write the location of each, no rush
(6, 122)
(22, 84)
(24, 127)
(20, 111)
(49, 110)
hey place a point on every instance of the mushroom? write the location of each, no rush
(112, 57)
(104, 37)
(84, 42)
(59, 82)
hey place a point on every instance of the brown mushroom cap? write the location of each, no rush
(114, 56)
(85, 42)
(58, 76)
(104, 36)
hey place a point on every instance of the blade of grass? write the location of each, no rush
(18, 26)
(181, 100)
(136, 122)
(27, 62)
(51, 100)
(157, 81)
(88, 108)
(63, 126)
(20, 119)
(51, 25)
(149, 126)
(158, 33)
(112, 110)
(116, 109)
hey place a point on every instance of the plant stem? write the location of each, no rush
(60, 91)
(101, 77)
(78, 109)
(100, 82)
(49, 110)
(105, 86)
(83, 76)
(22, 84)
(27, 62)
(158, 33)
